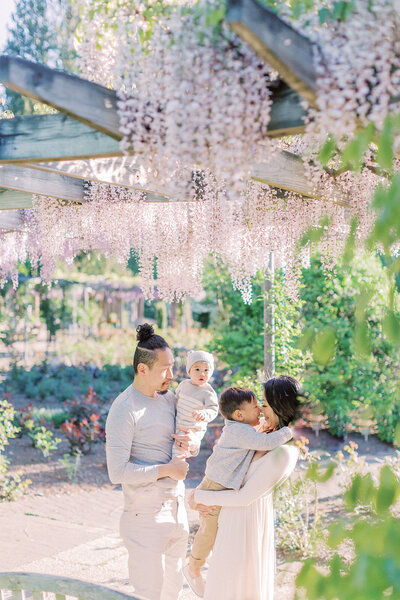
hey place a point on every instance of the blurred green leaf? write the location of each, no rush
(361, 340)
(324, 346)
(397, 435)
(354, 151)
(314, 472)
(348, 252)
(384, 155)
(337, 534)
(328, 149)
(361, 492)
(305, 339)
(388, 490)
(391, 327)
(314, 234)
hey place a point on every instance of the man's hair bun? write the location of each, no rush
(144, 332)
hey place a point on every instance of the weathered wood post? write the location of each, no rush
(269, 320)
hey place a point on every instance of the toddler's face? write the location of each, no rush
(199, 373)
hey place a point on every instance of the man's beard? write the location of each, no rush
(162, 392)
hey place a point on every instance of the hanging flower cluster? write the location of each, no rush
(358, 69)
(194, 107)
(191, 96)
(174, 239)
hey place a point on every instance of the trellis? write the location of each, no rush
(56, 154)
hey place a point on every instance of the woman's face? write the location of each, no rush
(270, 417)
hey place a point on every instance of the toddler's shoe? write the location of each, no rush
(196, 584)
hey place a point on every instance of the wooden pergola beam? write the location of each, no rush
(22, 179)
(10, 199)
(21, 182)
(96, 106)
(281, 46)
(118, 171)
(11, 220)
(284, 170)
(85, 101)
(51, 137)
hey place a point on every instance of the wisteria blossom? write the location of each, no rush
(194, 107)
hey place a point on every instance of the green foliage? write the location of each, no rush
(43, 438)
(41, 31)
(238, 328)
(11, 486)
(71, 464)
(373, 572)
(354, 363)
(63, 383)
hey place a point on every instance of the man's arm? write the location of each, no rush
(120, 429)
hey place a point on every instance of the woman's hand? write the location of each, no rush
(202, 509)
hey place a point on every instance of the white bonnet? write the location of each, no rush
(195, 356)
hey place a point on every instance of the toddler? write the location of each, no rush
(227, 467)
(196, 401)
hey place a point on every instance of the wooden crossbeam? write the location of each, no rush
(66, 179)
(118, 171)
(85, 101)
(284, 170)
(51, 137)
(22, 179)
(11, 220)
(96, 106)
(281, 46)
(10, 199)
(28, 181)
(287, 114)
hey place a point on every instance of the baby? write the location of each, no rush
(196, 401)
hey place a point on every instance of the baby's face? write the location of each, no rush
(199, 373)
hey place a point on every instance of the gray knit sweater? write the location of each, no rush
(235, 448)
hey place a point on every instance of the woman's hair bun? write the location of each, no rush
(144, 332)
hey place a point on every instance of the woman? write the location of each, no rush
(243, 561)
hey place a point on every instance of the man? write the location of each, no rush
(139, 437)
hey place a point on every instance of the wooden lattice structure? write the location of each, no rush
(55, 154)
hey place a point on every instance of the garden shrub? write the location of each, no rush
(86, 422)
(64, 382)
(238, 328)
(373, 569)
(33, 423)
(11, 486)
(352, 379)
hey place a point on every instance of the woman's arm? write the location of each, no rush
(272, 470)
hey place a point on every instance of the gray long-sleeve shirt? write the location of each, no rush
(138, 437)
(235, 448)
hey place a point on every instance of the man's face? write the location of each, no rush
(161, 372)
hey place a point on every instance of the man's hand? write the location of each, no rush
(186, 442)
(177, 468)
(202, 509)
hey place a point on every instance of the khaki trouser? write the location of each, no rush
(155, 531)
(205, 537)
